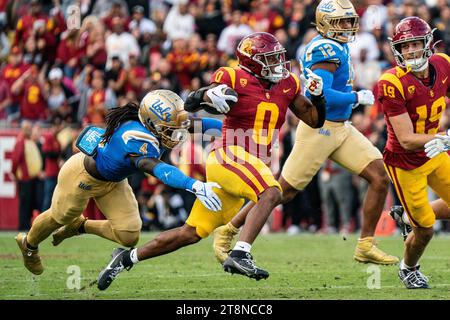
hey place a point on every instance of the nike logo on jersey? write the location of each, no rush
(443, 81)
(286, 90)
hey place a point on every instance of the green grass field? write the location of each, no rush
(301, 267)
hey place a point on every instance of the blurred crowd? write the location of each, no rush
(64, 63)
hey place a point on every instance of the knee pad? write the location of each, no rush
(127, 238)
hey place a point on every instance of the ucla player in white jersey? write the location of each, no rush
(134, 139)
(327, 57)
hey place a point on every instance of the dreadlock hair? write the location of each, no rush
(116, 116)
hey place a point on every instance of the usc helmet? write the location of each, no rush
(162, 113)
(330, 13)
(412, 29)
(261, 54)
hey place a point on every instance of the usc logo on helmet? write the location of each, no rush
(261, 54)
(246, 46)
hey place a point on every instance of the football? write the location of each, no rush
(225, 90)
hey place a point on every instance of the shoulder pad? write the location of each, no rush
(324, 50)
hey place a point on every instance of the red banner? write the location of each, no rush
(9, 216)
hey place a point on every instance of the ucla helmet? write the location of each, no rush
(330, 13)
(162, 113)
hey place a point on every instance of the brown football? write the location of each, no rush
(225, 90)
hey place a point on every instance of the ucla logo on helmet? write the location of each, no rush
(163, 113)
(327, 7)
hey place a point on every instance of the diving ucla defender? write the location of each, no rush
(327, 55)
(134, 140)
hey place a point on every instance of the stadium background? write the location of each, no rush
(60, 77)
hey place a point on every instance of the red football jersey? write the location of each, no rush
(254, 121)
(33, 105)
(400, 92)
(11, 74)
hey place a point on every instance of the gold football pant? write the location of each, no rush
(339, 141)
(411, 188)
(74, 189)
(241, 176)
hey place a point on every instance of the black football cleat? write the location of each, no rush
(413, 278)
(112, 270)
(396, 213)
(241, 262)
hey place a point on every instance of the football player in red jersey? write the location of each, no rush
(238, 161)
(413, 99)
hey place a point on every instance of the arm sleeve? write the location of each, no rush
(172, 176)
(194, 99)
(319, 102)
(211, 124)
(333, 97)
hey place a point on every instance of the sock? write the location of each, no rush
(133, 256)
(404, 266)
(243, 246)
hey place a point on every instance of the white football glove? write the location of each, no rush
(438, 145)
(206, 195)
(219, 99)
(314, 83)
(365, 97)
